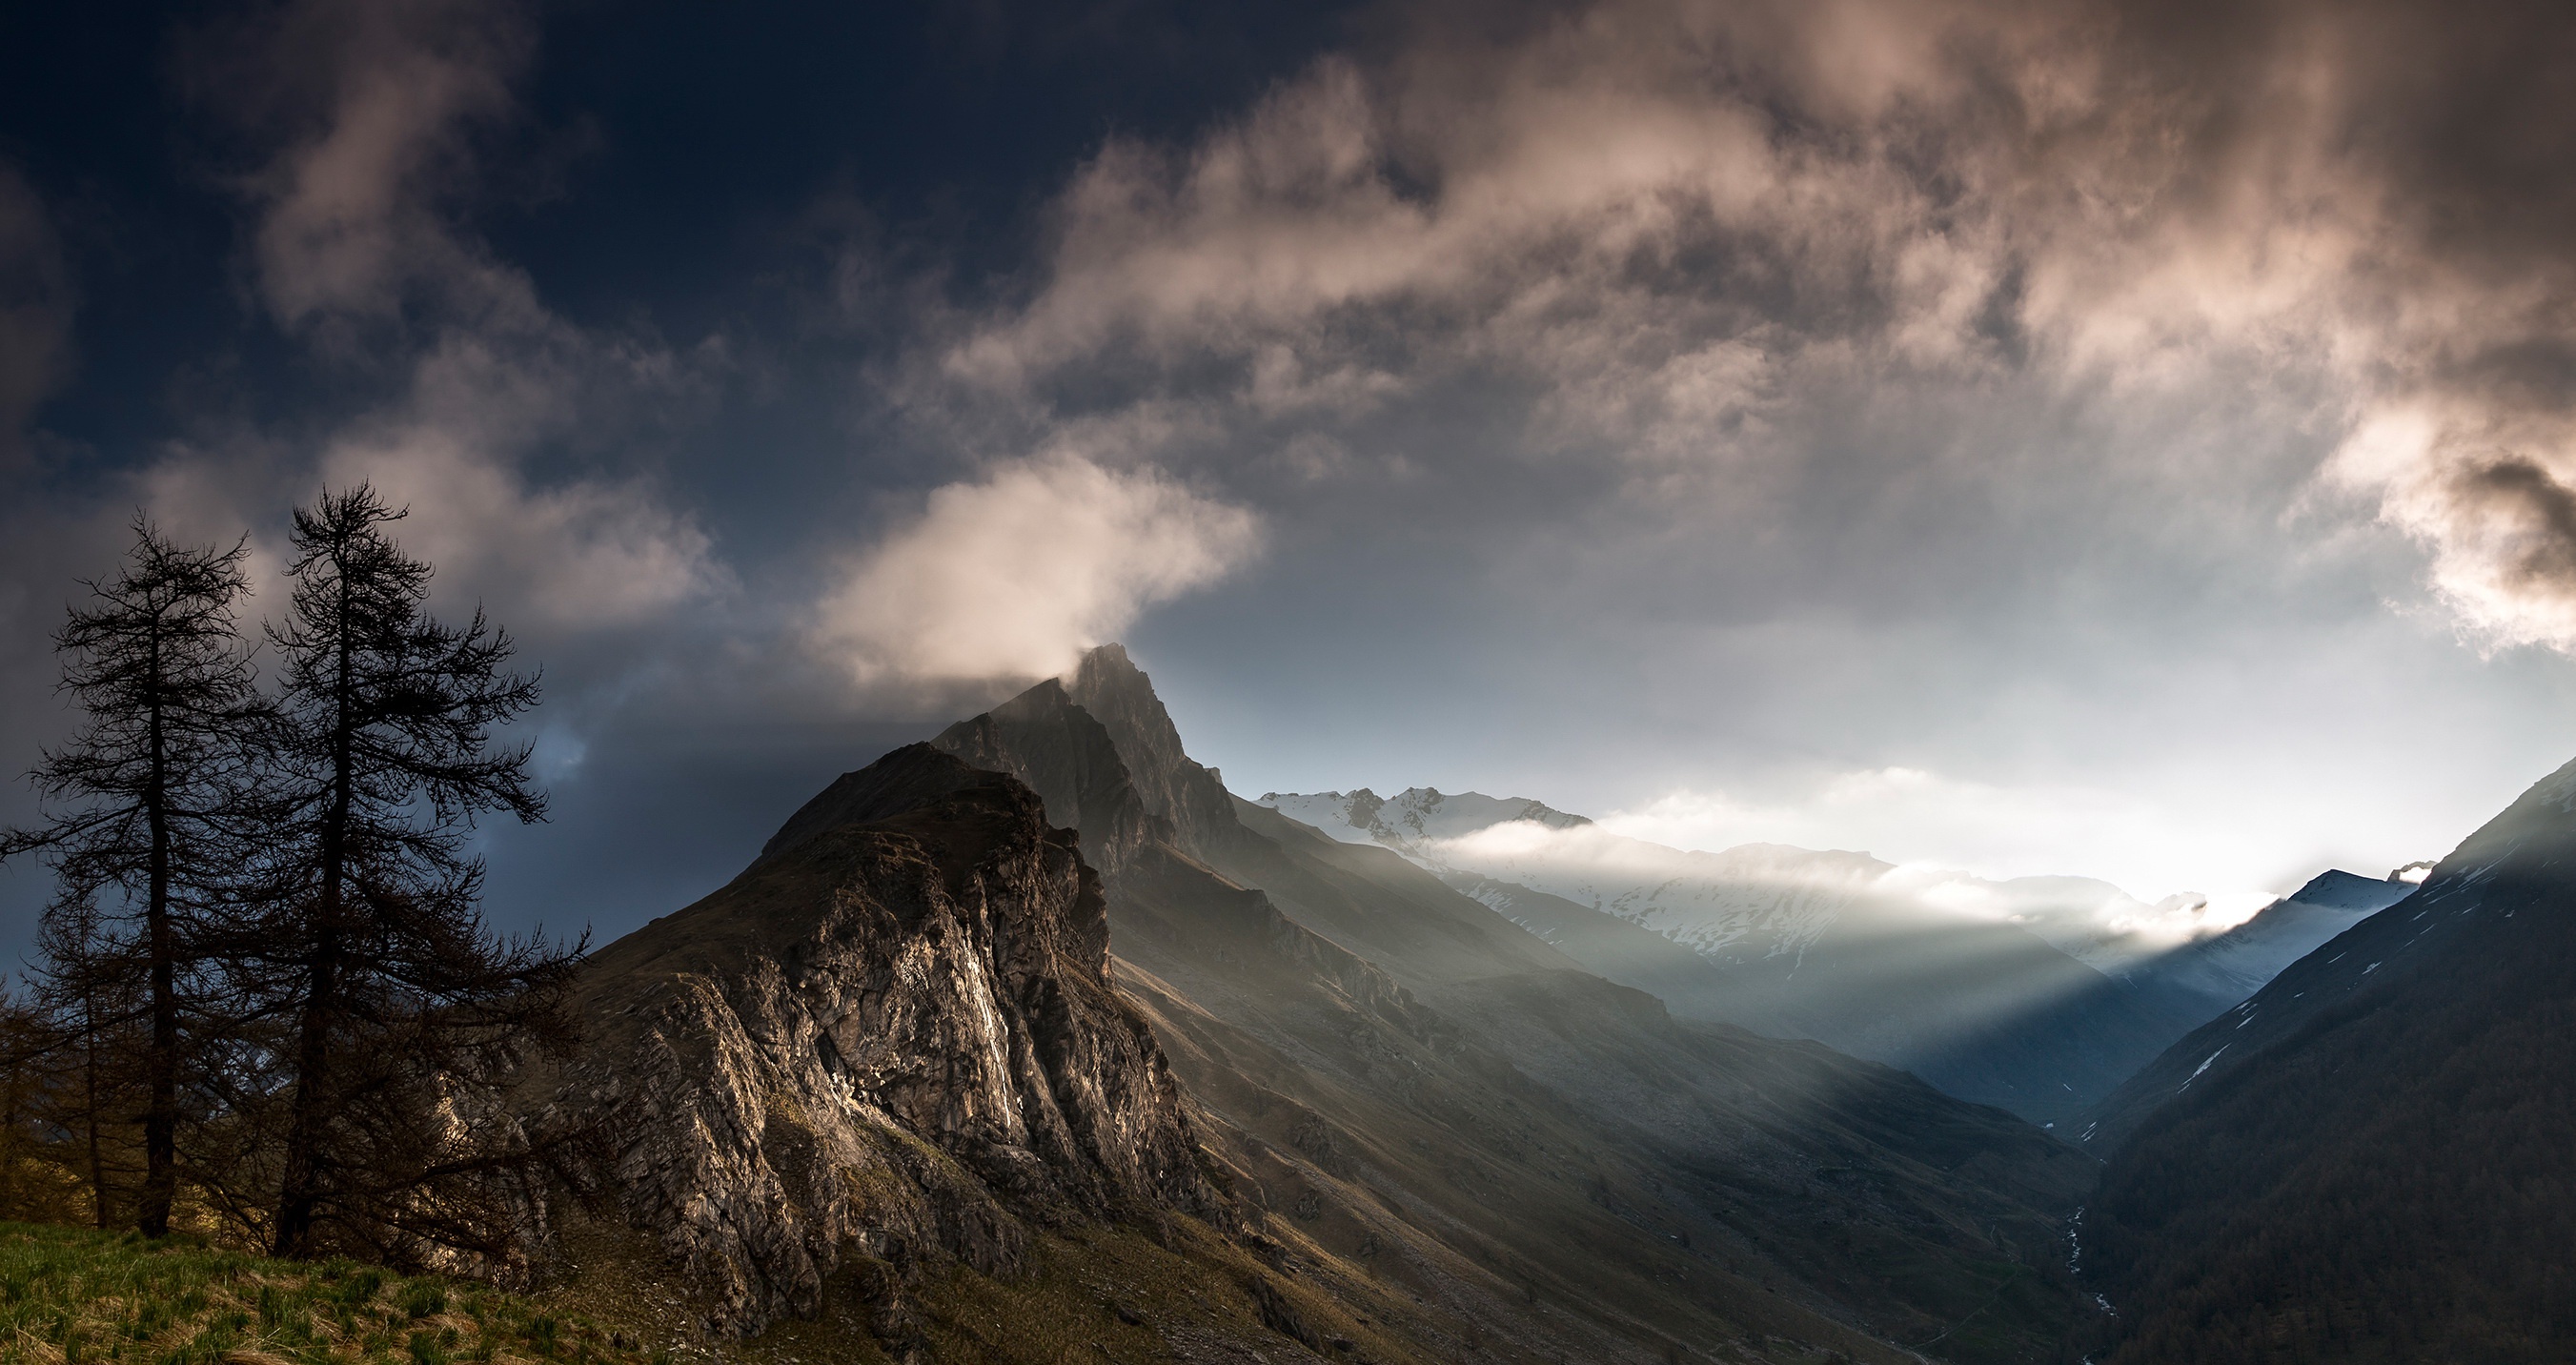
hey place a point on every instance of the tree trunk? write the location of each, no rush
(89, 1114)
(300, 1192)
(161, 1059)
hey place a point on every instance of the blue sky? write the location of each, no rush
(2121, 440)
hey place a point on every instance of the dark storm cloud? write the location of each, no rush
(1688, 238)
(2532, 513)
(35, 310)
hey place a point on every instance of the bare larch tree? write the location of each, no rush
(405, 1008)
(146, 812)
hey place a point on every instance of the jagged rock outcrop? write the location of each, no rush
(1075, 763)
(1064, 755)
(892, 1040)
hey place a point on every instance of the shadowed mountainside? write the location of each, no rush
(2367, 1160)
(2225, 969)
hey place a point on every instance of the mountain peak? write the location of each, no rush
(1044, 738)
(1117, 693)
(2351, 891)
(1112, 688)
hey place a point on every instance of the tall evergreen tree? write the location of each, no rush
(405, 1007)
(145, 833)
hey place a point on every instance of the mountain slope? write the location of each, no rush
(2368, 1159)
(880, 1100)
(1836, 946)
(2222, 970)
(1431, 1090)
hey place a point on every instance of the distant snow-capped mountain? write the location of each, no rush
(1412, 816)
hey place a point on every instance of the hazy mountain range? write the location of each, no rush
(2038, 994)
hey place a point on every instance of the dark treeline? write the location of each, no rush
(265, 1003)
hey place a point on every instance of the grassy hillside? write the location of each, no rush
(70, 1296)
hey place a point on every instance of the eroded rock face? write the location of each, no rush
(892, 1039)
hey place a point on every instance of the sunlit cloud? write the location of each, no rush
(1744, 885)
(1016, 573)
(1953, 839)
(2491, 494)
(1710, 897)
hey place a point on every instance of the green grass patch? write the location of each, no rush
(72, 1296)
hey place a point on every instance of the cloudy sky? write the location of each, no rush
(2128, 440)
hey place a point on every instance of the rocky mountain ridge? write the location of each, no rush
(1033, 1040)
(1374, 1040)
(892, 1042)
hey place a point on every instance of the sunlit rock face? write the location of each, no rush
(893, 1039)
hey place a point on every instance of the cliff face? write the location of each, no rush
(893, 1039)
(1190, 798)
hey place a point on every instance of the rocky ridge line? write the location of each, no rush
(891, 1041)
